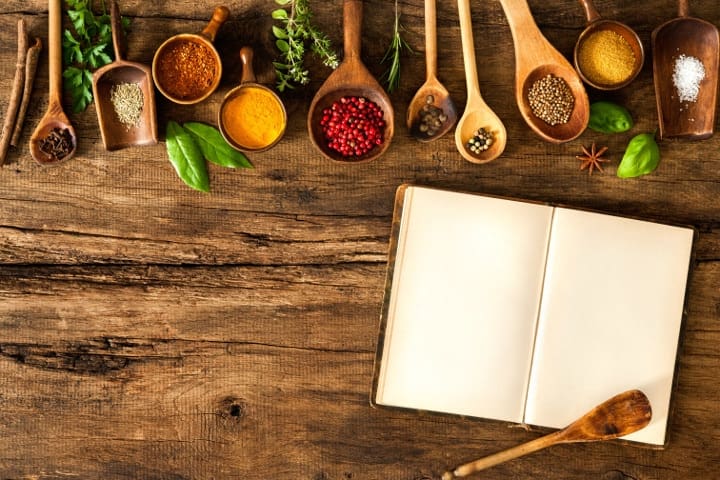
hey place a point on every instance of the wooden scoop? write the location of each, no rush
(477, 113)
(536, 58)
(351, 78)
(115, 134)
(54, 119)
(690, 37)
(432, 92)
(621, 415)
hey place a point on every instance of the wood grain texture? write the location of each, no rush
(148, 331)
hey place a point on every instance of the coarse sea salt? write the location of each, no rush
(687, 75)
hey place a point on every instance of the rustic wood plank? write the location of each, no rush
(150, 331)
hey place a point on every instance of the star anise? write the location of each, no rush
(592, 158)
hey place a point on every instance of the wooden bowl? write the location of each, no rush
(204, 39)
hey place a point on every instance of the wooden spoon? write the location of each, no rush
(351, 78)
(536, 58)
(115, 134)
(597, 24)
(690, 37)
(432, 92)
(54, 118)
(477, 113)
(621, 415)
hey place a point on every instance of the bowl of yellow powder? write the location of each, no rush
(252, 118)
(608, 55)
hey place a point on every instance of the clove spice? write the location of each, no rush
(58, 143)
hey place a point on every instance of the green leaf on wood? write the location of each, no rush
(214, 147)
(186, 157)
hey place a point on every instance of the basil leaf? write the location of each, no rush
(186, 157)
(641, 157)
(608, 117)
(214, 147)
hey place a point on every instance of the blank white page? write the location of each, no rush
(610, 317)
(463, 305)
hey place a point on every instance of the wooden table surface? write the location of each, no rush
(149, 331)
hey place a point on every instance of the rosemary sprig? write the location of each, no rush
(291, 38)
(391, 77)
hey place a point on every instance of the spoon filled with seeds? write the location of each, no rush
(548, 90)
(431, 113)
(480, 135)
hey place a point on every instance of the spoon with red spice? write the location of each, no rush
(54, 139)
(355, 95)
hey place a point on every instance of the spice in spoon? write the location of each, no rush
(127, 100)
(431, 119)
(481, 140)
(551, 100)
(688, 72)
(58, 143)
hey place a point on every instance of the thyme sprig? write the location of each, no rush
(291, 39)
(391, 77)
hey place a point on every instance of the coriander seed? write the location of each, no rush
(551, 100)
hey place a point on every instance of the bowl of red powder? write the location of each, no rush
(187, 68)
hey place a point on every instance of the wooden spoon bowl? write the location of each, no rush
(691, 37)
(115, 134)
(432, 92)
(580, 116)
(55, 117)
(351, 78)
(535, 58)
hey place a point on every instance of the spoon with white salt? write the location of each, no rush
(685, 73)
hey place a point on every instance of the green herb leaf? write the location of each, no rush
(88, 48)
(186, 157)
(608, 117)
(214, 147)
(641, 156)
(391, 77)
(279, 14)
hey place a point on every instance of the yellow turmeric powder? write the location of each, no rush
(253, 118)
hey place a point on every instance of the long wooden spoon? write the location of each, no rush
(351, 78)
(477, 113)
(432, 92)
(536, 58)
(621, 415)
(54, 119)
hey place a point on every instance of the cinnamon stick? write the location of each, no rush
(15, 93)
(31, 62)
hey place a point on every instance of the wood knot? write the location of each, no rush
(232, 408)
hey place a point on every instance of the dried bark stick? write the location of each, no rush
(15, 93)
(31, 63)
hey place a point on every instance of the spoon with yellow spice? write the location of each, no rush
(251, 117)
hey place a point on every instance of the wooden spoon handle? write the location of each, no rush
(468, 46)
(500, 457)
(220, 16)
(590, 12)
(117, 31)
(683, 8)
(352, 24)
(54, 51)
(430, 38)
(246, 57)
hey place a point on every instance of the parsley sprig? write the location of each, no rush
(291, 38)
(87, 47)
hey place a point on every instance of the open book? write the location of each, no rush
(526, 312)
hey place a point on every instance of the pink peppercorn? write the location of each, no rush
(352, 126)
